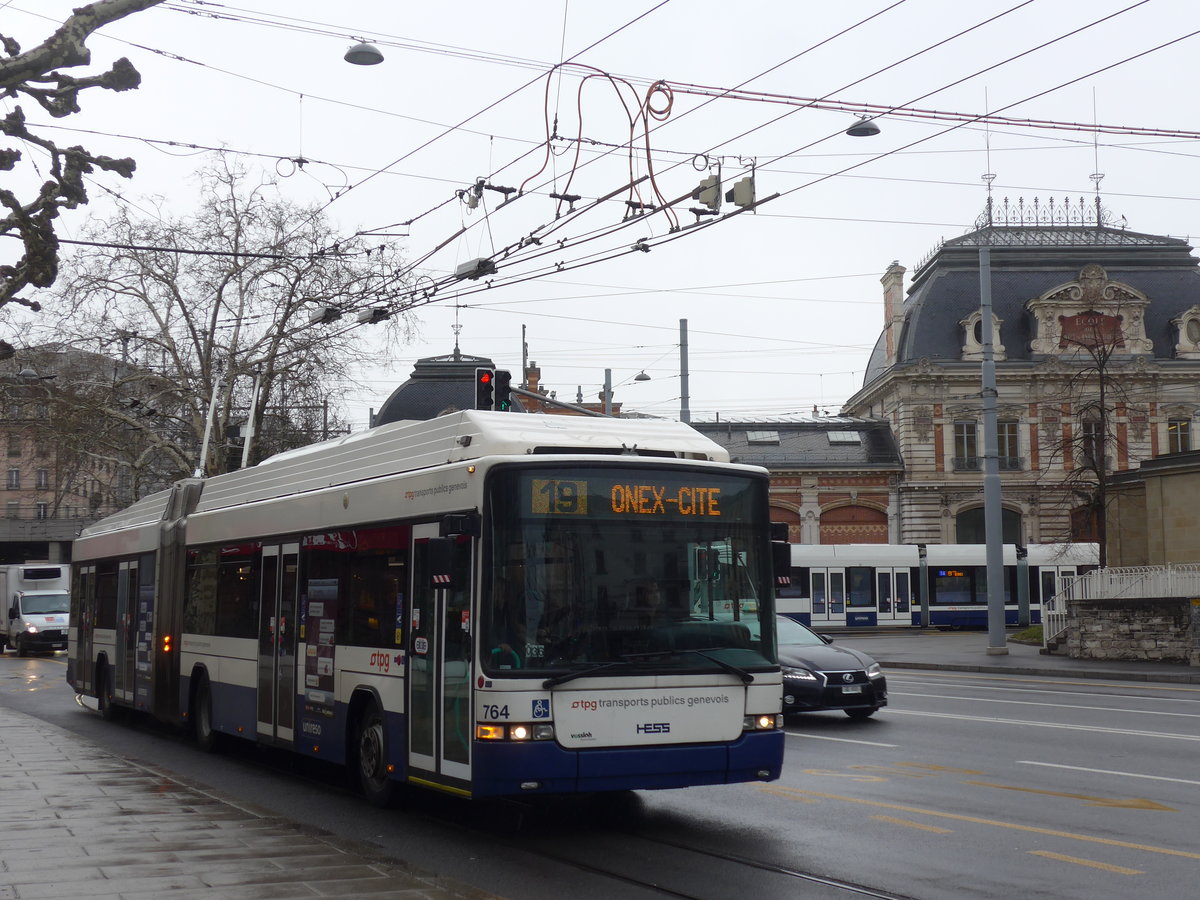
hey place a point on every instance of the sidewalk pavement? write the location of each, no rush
(76, 821)
(967, 651)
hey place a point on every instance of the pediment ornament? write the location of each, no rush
(1090, 312)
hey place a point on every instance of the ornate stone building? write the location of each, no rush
(1096, 340)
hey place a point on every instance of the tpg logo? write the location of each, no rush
(654, 728)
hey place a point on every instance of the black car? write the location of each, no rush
(819, 675)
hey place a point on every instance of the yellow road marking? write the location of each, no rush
(908, 823)
(1090, 863)
(829, 773)
(951, 769)
(976, 820)
(1110, 802)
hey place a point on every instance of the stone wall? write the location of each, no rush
(1155, 629)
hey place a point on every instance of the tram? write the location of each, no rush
(458, 604)
(868, 585)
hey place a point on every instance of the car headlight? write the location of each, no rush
(31, 629)
(873, 671)
(802, 674)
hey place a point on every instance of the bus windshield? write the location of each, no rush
(621, 565)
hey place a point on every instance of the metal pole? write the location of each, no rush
(923, 584)
(993, 521)
(1022, 586)
(608, 392)
(685, 412)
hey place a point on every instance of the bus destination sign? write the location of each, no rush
(611, 498)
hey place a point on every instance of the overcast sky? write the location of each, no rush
(783, 304)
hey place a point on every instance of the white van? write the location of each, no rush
(36, 606)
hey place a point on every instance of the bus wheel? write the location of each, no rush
(371, 745)
(104, 697)
(202, 726)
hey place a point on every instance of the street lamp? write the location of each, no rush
(364, 54)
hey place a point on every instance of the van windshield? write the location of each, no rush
(45, 604)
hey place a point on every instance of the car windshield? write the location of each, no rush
(617, 568)
(44, 604)
(792, 632)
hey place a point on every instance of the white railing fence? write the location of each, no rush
(1130, 582)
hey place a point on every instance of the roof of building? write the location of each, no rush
(438, 384)
(813, 443)
(1026, 262)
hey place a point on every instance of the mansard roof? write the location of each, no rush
(824, 442)
(1027, 261)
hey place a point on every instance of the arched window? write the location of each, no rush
(969, 528)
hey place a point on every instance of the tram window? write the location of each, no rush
(1049, 585)
(885, 592)
(818, 592)
(200, 611)
(858, 587)
(902, 592)
(950, 587)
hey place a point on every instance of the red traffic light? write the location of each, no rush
(485, 376)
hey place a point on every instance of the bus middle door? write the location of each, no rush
(277, 628)
(439, 660)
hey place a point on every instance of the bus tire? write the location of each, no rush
(104, 695)
(370, 743)
(202, 715)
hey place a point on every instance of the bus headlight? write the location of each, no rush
(520, 731)
(763, 722)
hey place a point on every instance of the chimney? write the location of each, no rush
(893, 308)
(532, 376)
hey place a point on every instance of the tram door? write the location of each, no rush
(893, 596)
(277, 628)
(439, 665)
(828, 596)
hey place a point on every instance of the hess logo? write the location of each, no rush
(654, 728)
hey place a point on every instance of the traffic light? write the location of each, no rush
(709, 191)
(502, 384)
(485, 380)
(742, 192)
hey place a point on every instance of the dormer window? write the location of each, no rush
(972, 327)
(1188, 326)
(1090, 313)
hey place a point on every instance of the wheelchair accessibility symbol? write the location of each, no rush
(541, 709)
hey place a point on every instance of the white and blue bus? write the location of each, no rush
(868, 585)
(457, 604)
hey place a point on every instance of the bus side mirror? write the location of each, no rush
(781, 562)
(443, 572)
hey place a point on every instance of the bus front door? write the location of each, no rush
(439, 669)
(277, 628)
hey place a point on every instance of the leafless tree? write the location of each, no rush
(37, 75)
(251, 288)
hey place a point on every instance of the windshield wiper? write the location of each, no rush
(741, 673)
(706, 652)
(580, 673)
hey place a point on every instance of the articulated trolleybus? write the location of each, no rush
(485, 604)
